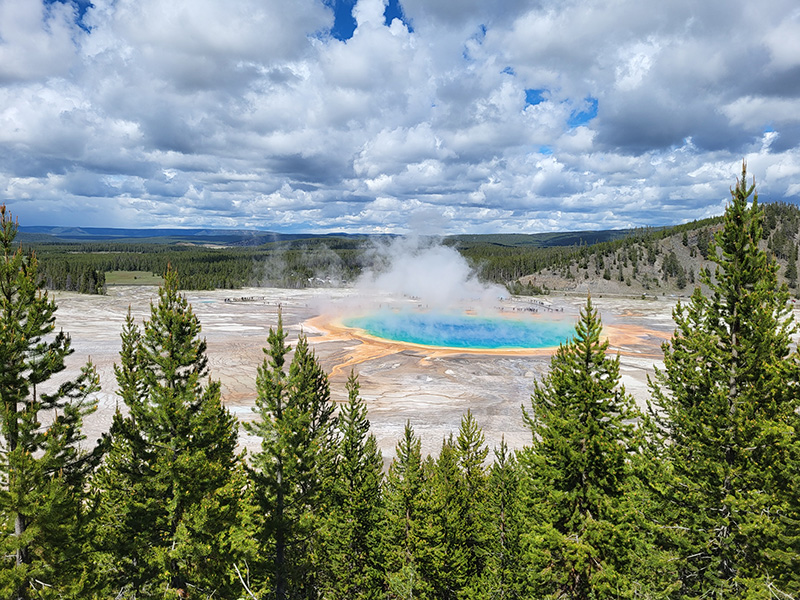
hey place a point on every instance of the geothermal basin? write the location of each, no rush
(431, 385)
(447, 329)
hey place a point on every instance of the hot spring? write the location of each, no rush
(463, 330)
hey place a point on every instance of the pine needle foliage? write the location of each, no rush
(404, 518)
(502, 578)
(171, 485)
(43, 469)
(295, 468)
(474, 528)
(577, 472)
(453, 529)
(443, 555)
(352, 527)
(725, 409)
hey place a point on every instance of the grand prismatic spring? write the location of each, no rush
(460, 330)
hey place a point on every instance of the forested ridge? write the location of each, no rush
(698, 496)
(666, 261)
(651, 261)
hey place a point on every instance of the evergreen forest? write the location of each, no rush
(662, 261)
(696, 496)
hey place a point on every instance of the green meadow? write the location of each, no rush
(133, 278)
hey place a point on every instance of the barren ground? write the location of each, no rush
(431, 388)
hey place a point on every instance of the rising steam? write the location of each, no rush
(424, 269)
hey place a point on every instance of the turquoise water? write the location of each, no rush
(454, 330)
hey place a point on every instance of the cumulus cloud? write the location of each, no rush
(36, 40)
(520, 116)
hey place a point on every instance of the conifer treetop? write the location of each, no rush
(723, 410)
(43, 469)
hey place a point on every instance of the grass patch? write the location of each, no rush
(132, 278)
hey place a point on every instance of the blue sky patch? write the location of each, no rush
(581, 117)
(395, 11)
(344, 24)
(81, 6)
(534, 97)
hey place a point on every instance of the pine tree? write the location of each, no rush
(295, 469)
(353, 526)
(791, 266)
(454, 529)
(582, 543)
(404, 518)
(502, 579)
(473, 538)
(443, 555)
(724, 407)
(43, 469)
(171, 485)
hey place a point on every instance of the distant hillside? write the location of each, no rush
(219, 237)
(664, 262)
(539, 240)
(251, 237)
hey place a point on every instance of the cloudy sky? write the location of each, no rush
(394, 115)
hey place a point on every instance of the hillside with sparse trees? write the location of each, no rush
(666, 262)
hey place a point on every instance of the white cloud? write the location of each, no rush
(369, 13)
(756, 112)
(36, 41)
(635, 62)
(251, 114)
(783, 41)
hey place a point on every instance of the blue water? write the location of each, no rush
(454, 330)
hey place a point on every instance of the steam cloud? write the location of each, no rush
(422, 268)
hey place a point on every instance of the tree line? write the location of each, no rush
(694, 497)
(82, 267)
(306, 263)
